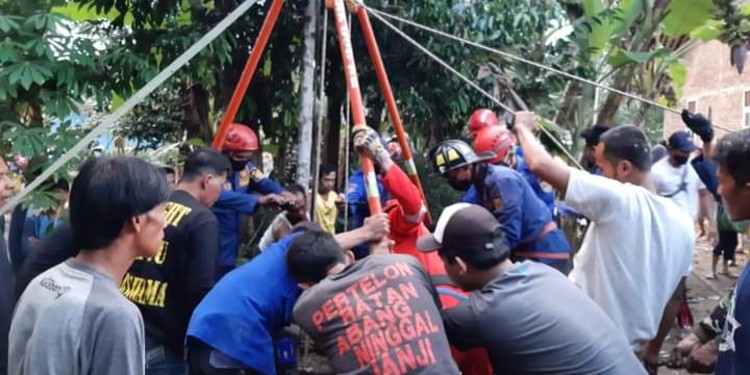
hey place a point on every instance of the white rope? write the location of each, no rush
(319, 122)
(475, 86)
(134, 100)
(507, 55)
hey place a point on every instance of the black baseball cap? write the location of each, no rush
(682, 141)
(467, 230)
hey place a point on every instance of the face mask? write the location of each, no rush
(238, 165)
(458, 184)
(679, 159)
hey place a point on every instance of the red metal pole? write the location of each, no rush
(358, 112)
(247, 73)
(390, 101)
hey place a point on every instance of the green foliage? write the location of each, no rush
(711, 30)
(434, 103)
(46, 65)
(155, 121)
(684, 16)
(621, 58)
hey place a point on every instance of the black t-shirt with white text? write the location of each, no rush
(168, 287)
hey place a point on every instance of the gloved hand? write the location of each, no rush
(699, 125)
(368, 141)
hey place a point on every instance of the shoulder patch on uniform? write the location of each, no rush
(256, 175)
(497, 203)
(546, 187)
(351, 188)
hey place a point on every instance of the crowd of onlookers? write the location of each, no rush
(131, 273)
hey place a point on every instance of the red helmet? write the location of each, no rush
(495, 139)
(240, 138)
(480, 119)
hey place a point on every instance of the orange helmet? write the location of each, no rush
(480, 119)
(240, 138)
(495, 139)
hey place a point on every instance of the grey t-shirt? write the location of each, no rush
(533, 320)
(73, 320)
(378, 316)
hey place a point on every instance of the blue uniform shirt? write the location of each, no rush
(522, 214)
(244, 311)
(543, 191)
(356, 201)
(735, 340)
(471, 196)
(235, 201)
(356, 198)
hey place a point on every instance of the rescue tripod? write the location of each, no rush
(355, 96)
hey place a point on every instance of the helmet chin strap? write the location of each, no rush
(511, 159)
(478, 172)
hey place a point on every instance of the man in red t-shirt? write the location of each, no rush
(406, 213)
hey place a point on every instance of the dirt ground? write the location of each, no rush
(703, 295)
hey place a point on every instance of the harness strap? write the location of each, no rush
(683, 184)
(452, 293)
(533, 254)
(441, 280)
(549, 228)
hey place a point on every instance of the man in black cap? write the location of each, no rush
(675, 179)
(510, 311)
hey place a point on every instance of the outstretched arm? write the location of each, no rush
(395, 181)
(539, 161)
(374, 228)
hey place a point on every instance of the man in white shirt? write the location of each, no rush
(639, 245)
(675, 178)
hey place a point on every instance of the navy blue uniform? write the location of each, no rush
(235, 201)
(706, 168)
(526, 220)
(542, 190)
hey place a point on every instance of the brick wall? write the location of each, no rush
(714, 85)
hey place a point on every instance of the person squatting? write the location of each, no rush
(142, 276)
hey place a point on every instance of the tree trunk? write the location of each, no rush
(332, 133)
(307, 94)
(437, 133)
(195, 113)
(564, 115)
(612, 104)
(375, 114)
(640, 115)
